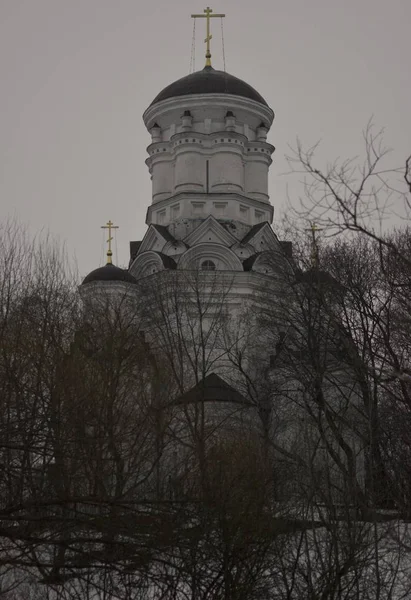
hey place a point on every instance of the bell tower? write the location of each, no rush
(209, 153)
(208, 159)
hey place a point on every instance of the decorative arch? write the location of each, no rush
(208, 265)
(268, 263)
(243, 251)
(224, 258)
(151, 262)
(174, 248)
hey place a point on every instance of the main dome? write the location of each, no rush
(209, 81)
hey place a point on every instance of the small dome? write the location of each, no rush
(209, 81)
(317, 277)
(109, 273)
(320, 281)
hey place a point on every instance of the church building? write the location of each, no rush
(209, 224)
(208, 160)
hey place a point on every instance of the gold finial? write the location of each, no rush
(109, 225)
(207, 16)
(313, 229)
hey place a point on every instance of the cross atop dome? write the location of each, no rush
(208, 37)
(313, 229)
(110, 226)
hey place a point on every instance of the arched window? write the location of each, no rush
(207, 265)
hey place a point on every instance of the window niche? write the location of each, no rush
(175, 211)
(161, 217)
(220, 209)
(208, 265)
(259, 216)
(198, 208)
(244, 212)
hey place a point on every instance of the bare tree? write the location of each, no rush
(78, 425)
(172, 441)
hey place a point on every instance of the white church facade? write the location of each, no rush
(209, 221)
(208, 160)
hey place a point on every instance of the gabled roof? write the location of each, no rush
(164, 232)
(154, 235)
(134, 247)
(253, 231)
(212, 389)
(210, 228)
(262, 237)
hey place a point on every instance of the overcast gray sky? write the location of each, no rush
(77, 75)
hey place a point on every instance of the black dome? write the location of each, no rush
(209, 81)
(316, 276)
(109, 273)
(319, 280)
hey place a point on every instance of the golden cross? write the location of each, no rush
(313, 229)
(109, 225)
(207, 16)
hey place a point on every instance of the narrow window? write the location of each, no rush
(175, 211)
(259, 216)
(208, 265)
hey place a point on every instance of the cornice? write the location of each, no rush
(216, 196)
(228, 101)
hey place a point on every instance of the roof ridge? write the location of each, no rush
(254, 229)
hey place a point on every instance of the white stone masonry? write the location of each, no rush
(209, 155)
